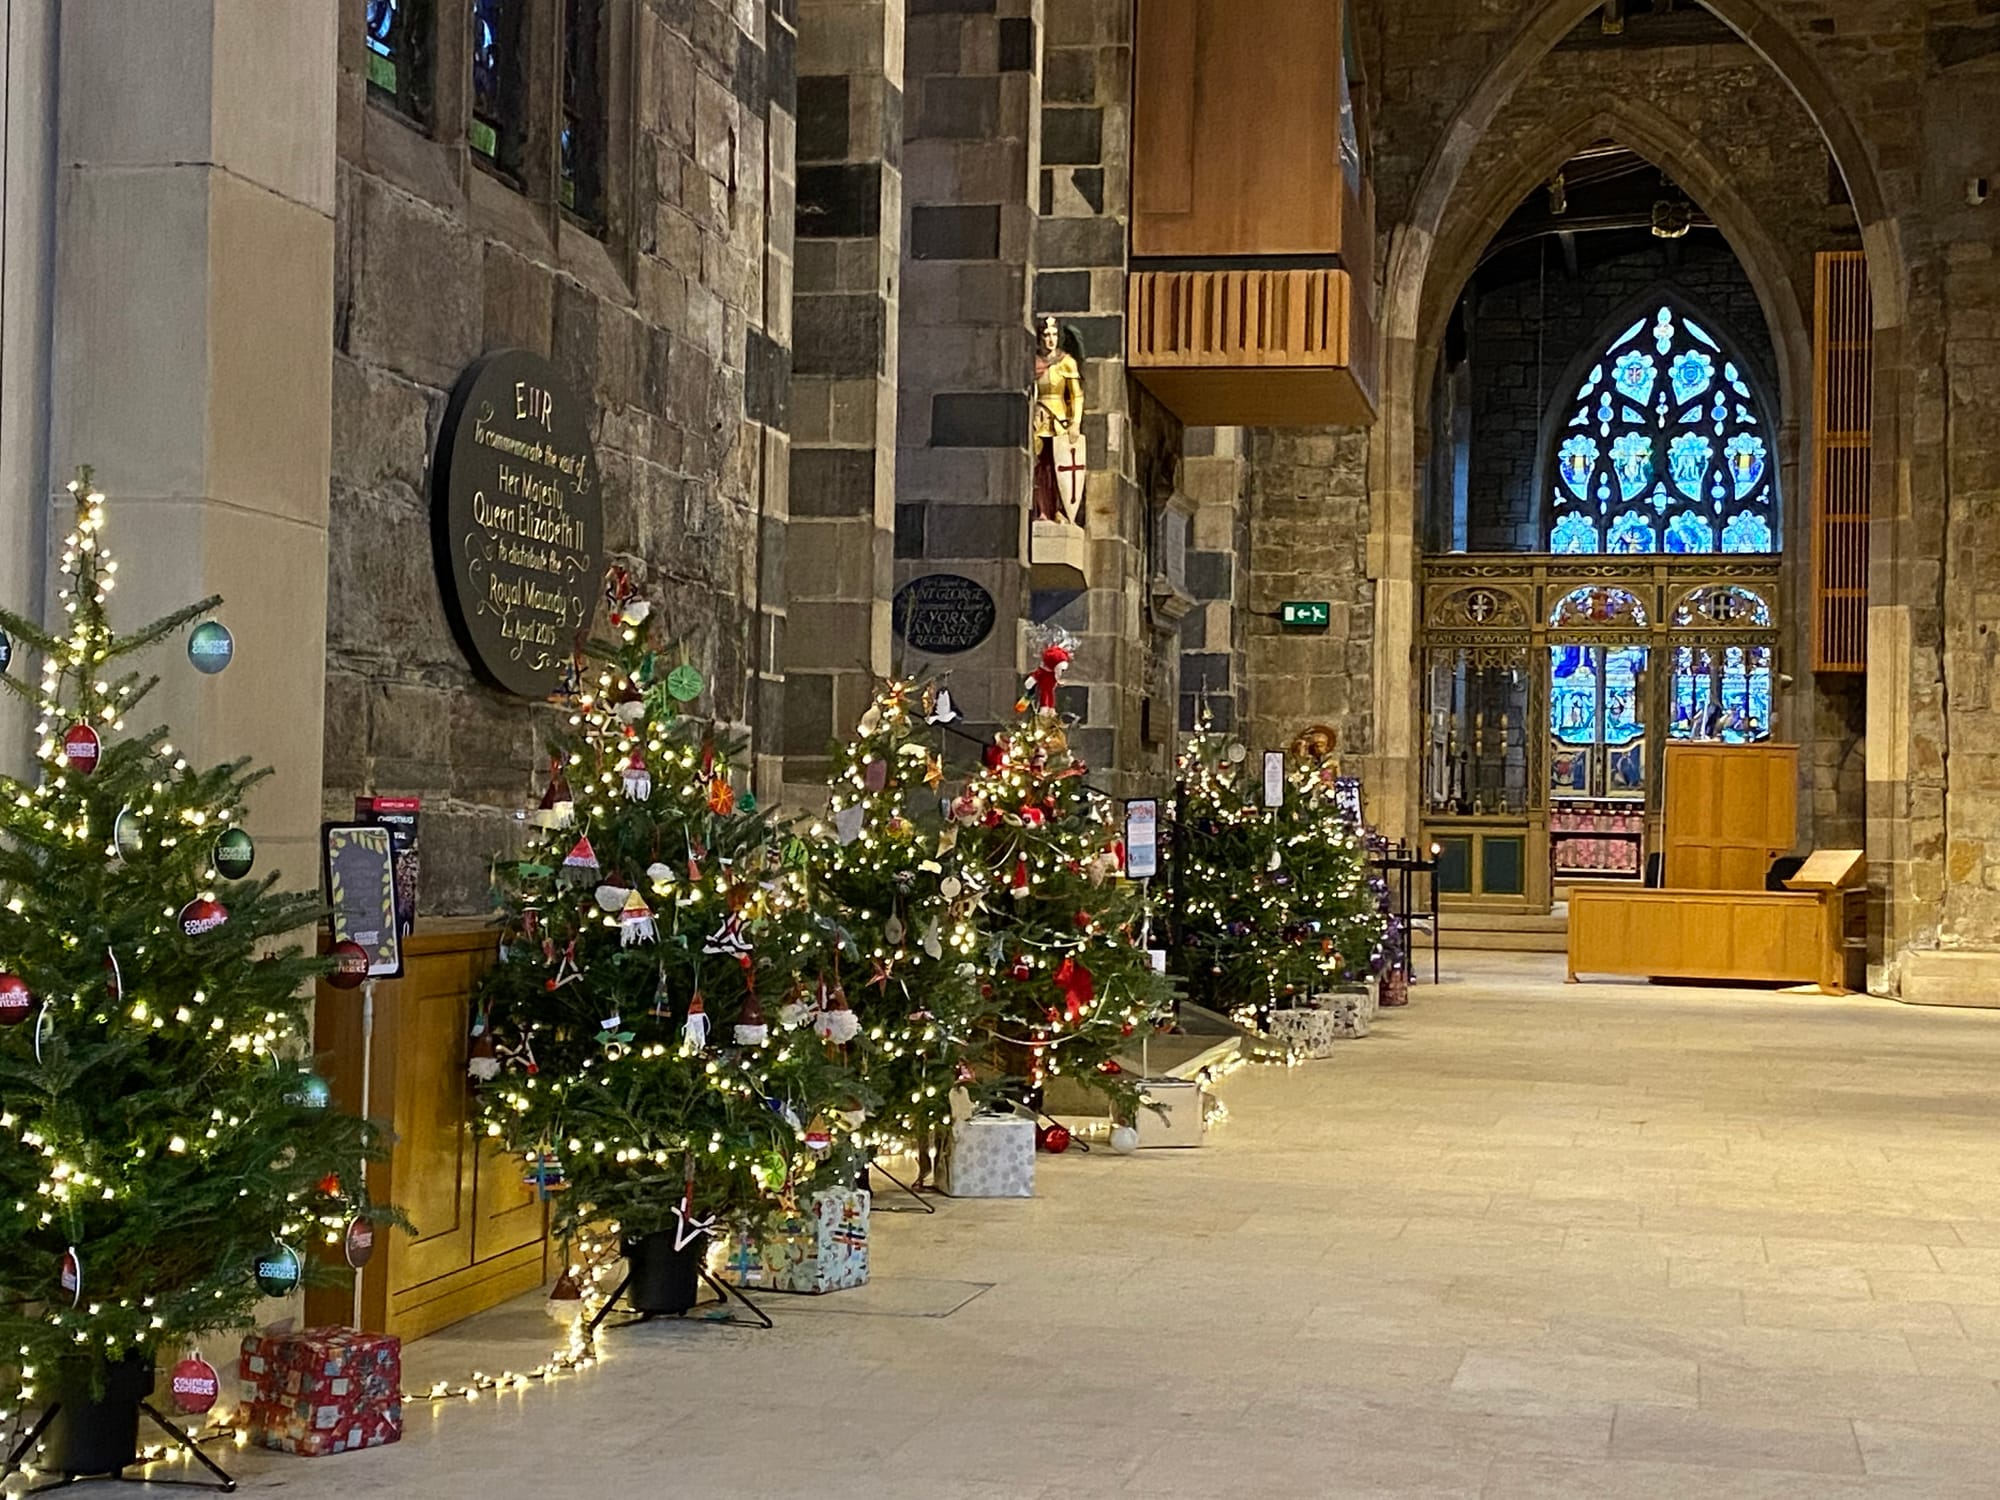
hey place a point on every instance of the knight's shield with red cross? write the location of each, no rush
(1072, 465)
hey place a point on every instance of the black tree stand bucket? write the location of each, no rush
(91, 1433)
(663, 1280)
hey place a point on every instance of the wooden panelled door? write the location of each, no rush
(1730, 810)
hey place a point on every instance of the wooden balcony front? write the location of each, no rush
(1254, 348)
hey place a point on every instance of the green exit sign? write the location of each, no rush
(1306, 614)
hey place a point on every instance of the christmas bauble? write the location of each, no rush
(1053, 1139)
(6, 652)
(70, 1275)
(211, 646)
(350, 964)
(309, 1091)
(684, 683)
(358, 1243)
(202, 915)
(81, 747)
(1124, 1140)
(278, 1271)
(125, 835)
(15, 1000)
(194, 1385)
(235, 853)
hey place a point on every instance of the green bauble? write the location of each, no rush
(235, 853)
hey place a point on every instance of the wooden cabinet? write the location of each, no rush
(481, 1235)
(1796, 937)
(1731, 810)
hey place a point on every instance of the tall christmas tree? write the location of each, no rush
(166, 1159)
(908, 906)
(657, 1045)
(1066, 978)
(1275, 902)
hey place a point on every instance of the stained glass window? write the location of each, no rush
(582, 182)
(499, 58)
(1664, 450)
(1721, 693)
(397, 34)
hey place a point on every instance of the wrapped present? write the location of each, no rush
(322, 1390)
(1349, 1011)
(1310, 1032)
(822, 1248)
(989, 1156)
(1185, 1103)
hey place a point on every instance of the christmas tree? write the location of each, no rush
(656, 1049)
(1066, 978)
(166, 1159)
(889, 860)
(1276, 902)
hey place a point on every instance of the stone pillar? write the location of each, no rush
(1309, 504)
(194, 358)
(1126, 605)
(1211, 640)
(840, 540)
(27, 247)
(971, 153)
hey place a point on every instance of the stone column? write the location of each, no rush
(971, 150)
(1211, 641)
(27, 246)
(844, 364)
(194, 357)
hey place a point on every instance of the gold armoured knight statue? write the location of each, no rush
(1058, 431)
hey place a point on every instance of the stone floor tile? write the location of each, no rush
(1748, 1439)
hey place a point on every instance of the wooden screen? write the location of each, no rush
(1731, 809)
(1843, 369)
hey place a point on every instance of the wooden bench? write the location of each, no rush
(1792, 937)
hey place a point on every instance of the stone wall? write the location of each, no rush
(674, 322)
(1308, 523)
(1217, 577)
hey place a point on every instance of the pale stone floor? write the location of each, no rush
(1527, 1240)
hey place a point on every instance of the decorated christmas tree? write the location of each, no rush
(1276, 903)
(656, 1041)
(1223, 843)
(1066, 977)
(908, 908)
(166, 1157)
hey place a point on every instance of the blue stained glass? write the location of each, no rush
(1573, 533)
(1689, 532)
(1632, 460)
(1634, 374)
(1578, 458)
(1674, 422)
(1691, 372)
(1687, 462)
(1632, 532)
(1747, 531)
(380, 23)
(1624, 715)
(1573, 694)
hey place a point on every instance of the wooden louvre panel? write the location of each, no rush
(1239, 318)
(1843, 371)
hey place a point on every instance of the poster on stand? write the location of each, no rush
(1142, 838)
(361, 887)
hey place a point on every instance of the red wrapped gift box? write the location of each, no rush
(323, 1390)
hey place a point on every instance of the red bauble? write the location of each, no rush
(358, 1243)
(1111, 1065)
(1022, 970)
(201, 915)
(330, 1184)
(194, 1385)
(15, 1000)
(1083, 921)
(81, 747)
(1053, 1139)
(350, 964)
